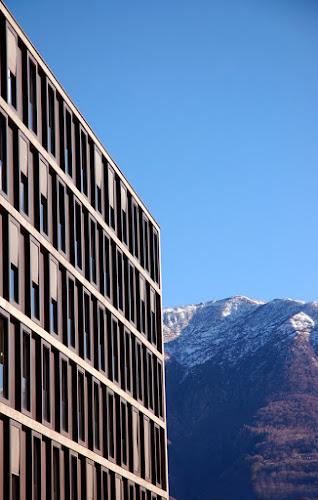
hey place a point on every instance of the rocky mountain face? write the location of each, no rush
(242, 400)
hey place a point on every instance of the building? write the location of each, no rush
(82, 398)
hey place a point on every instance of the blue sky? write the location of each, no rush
(210, 108)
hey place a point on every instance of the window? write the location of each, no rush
(155, 256)
(138, 370)
(71, 313)
(84, 185)
(35, 287)
(158, 473)
(124, 441)
(153, 316)
(56, 473)
(89, 481)
(87, 327)
(101, 341)
(46, 396)
(96, 417)
(111, 425)
(131, 293)
(124, 212)
(51, 114)
(15, 452)
(106, 268)
(159, 389)
(145, 242)
(119, 280)
(64, 396)
(142, 305)
(12, 68)
(81, 407)
(68, 143)
(14, 258)
(32, 97)
(3, 154)
(136, 440)
(61, 218)
(36, 469)
(4, 358)
(73, 479)
(119, 488)
(126, 360)
(78, 235)
(98, 179)
(134, 233)
(24, 184)
(114, 352)
(54, 295)
(111, 197)
(93, 252)
(149, 376)
(26, 371)
(44, 222)
(147, 448)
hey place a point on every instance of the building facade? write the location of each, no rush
(82, 397)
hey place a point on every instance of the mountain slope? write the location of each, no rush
(242, 399)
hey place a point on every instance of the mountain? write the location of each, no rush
(242, 400)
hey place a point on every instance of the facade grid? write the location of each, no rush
(82, 392)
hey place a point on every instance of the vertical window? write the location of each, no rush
(149, 380)
(106, 267)
(78, 235)
(4, 358)
(119, 276)
(87, 325)
(119, 488)
(127, 360)
(36, 469)
(138, 361)
(101, 345)
(56, 473)
(15, 461)
(12, 68)
(64, 396)
(53, 287)
(131, 293)
(115, 352)
(51, 113)
(81, 403)
(46, 396)
(93, 252)
(155, 255)
(147, 447)
(24, 184)
(14, 259)
(124, 212)
(111, 426)
(71, 313)
(68, 143)
(73, 479)
(32, 97)
(158, 455)
(105, 485)
(61, 218)
(136, 440)
(153, 316)
(145, 234)
(26, 372)
(89, 481)
(84, 163)
(98, 179)
(124, 442)
(111, 197)
(3, 154)
(44, 222)
(35, 287)
(135, 228)
(96, 417)
(159, 383)
(142, 305)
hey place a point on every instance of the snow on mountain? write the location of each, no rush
(235, 327)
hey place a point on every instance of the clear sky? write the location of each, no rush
(210, 108)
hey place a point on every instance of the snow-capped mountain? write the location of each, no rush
(242, 392)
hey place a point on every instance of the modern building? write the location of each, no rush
(82, 398)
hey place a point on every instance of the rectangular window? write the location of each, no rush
(36, 469)
(78, 235)
(14, 258)
(35, 288)
(71, 313)
(101, 344)
(127, 360)
(26, 372)
(96, 417)
(73, 479)
(32, 97)
(155, 255)
(135, 228)
(158, 455)
(124, 213)
(153, 316)
(111, 197)
(24, 167)
(115, 352)
(12, 67)
(87, 327)
(139, 370)
(61, 218)
(98, 179)
(46, 396)
(119, 281)
(89, 481)
(106, 268)
(147, 448)
(142, 305)
(136, 440)
(149, 380)
(93, 252)
(44, 222)
(81, 407)
(56, 473)
(51, 114)
(145, 235)
(159, 388)
(84, 163)
(54, 295)
(111, 425)
(131, 293)
(4, 358)
(64, 396)
(124, 441)
(15, 453)
(68, 143)
(3, 154)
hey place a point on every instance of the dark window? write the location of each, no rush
(96, 416)
(84, 162)
(111, 197)
(14, 283)
(3, 154)
(93, 252)
(131, 292)
(158, 455)
(32, 97)
(56, 473)
(120, 290)
(98, 198)
(159, 383)
(153, 316)
(12, 89)
(155, 255)
(107, 267)
(105, 485)
(87, 329)
(99, 167)
(139, 370)
(128, 360)
(115, 351)
(78, 235)
(150, 380)
(64, 397)
(81, 405)
(124, 433)
(24, 194)
(26, 373)
(74, 495)
(54, 325)
(35, 300)
(68, 144)
(101, 346)
(4, 359)
(44, 222)
(71, 313)
(37, 469)
(61, 228)
(145, 233)
(51, 111)
(111, 430)
(44, 215)
(124, 211)
(142, 305)
(15, 487)
(46, 385)
(135, 230)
